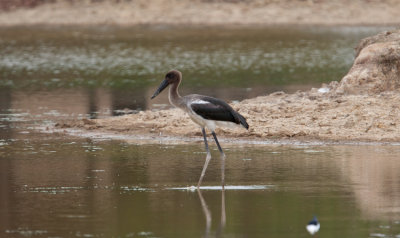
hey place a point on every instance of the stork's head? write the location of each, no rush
(172, 77)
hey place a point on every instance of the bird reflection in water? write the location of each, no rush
(207, 215)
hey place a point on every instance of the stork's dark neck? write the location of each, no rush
(173, 96)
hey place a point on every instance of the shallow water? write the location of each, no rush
(52, 186)
(81, 188)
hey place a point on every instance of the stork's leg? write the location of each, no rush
(222, 160)
(207, 158)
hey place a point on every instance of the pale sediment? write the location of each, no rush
(303, 115)
(212, 12)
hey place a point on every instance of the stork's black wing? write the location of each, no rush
(215, 109)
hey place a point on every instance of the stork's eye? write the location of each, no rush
(171, 76)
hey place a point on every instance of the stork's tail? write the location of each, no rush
(243, 121)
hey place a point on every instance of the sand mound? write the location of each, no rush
(364, 106)
(376, 68)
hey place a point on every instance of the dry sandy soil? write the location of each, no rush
(302, 116)
(208, 12)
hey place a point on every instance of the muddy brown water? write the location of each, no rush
(52, 186)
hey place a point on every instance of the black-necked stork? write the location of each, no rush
(313, 226)
(205, 111)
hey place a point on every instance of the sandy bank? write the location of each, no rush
(304, 116)
(211, 12)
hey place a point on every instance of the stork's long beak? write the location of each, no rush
(162, 86)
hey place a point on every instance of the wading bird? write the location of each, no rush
(313, 226)
(207, 112)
